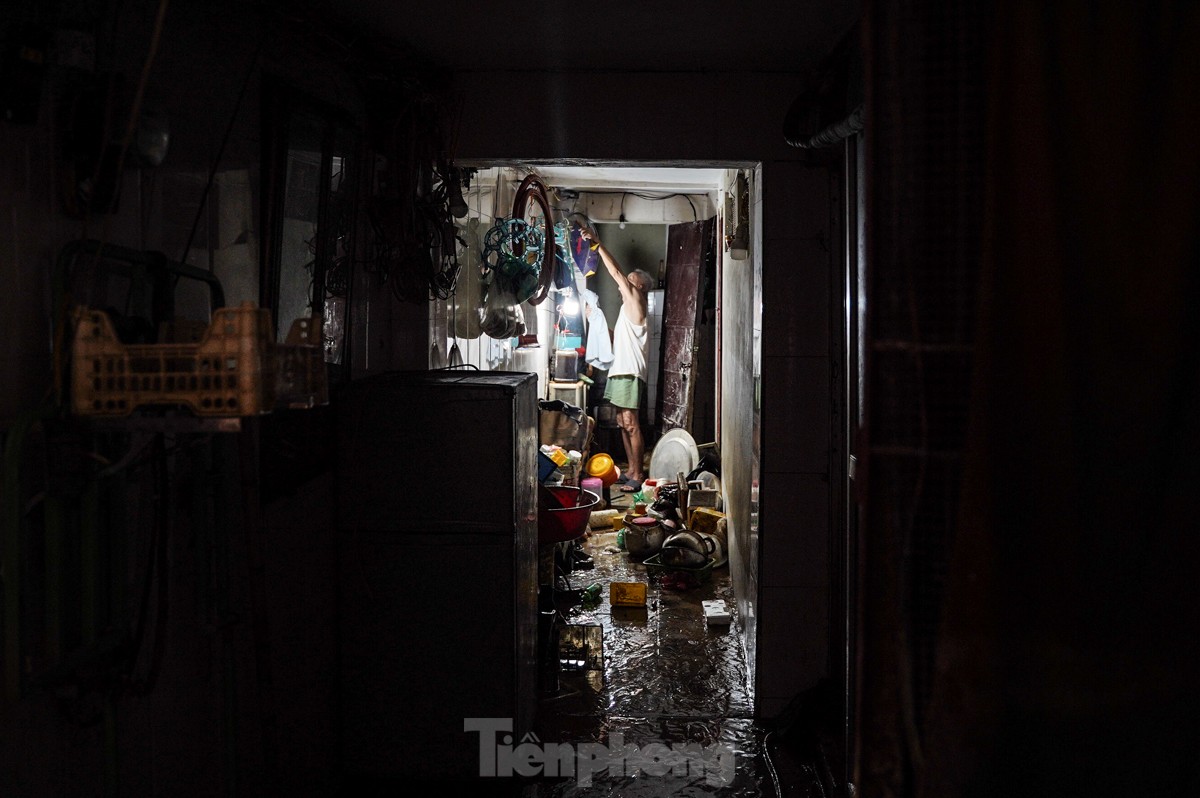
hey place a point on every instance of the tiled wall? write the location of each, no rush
(798, 243)
(741, 295)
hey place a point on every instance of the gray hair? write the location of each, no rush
(646, 279)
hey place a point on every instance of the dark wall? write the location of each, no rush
(228, 684)
(1059, 660)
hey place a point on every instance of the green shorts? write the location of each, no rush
(625, 391)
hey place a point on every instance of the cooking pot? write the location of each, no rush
(680, 557)
(687, 539)
(643, 536)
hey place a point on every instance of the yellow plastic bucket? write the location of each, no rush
(602, 467)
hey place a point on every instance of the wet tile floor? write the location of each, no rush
(667, 678)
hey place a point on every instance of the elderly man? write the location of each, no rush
(627, 376)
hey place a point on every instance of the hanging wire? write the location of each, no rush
(212, 172)
(652, 197)
(62, 311)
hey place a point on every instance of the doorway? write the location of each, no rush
(634, 207)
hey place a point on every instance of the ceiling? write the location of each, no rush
(641, 178)
(626, 35)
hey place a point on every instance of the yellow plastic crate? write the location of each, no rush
(236, 369)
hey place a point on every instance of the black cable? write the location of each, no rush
(212, 172)
(655, 197)
(156, 567)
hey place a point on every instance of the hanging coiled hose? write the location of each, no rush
(532, 188)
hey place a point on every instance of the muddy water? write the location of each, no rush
(667, 678)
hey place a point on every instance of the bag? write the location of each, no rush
(468, 294)
(502, 316)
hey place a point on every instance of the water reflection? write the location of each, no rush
(667, 678)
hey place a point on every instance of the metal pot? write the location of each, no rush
(687, 539)
(643, 539)
(680, 557)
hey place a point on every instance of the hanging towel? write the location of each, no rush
(598, 349)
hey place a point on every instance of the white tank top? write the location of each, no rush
(630, 344)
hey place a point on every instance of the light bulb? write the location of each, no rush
(571, 306)
(622, 224)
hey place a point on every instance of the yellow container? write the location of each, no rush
(704, 520)
(602, 466)
(236, 368)
(627, 594)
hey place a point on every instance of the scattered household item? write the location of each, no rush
(644, 536)
(546, 467)
(676, 556)
(602, 467)
(590, 596)
(675, 451)
(627, 594)
(667, 503)
(703, 497)
(719, 554)
(686, 548)
(706, 479)
(581, 647)
(715, 612)
(563, 512)
(705, 521)
(595, 485)
(678, 574)
(566, 365)
(604, 519)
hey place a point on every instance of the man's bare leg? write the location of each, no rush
(631, 435)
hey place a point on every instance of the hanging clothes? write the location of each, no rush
(598, 351)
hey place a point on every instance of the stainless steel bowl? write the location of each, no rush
(680, 557)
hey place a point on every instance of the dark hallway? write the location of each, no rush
(953, 344)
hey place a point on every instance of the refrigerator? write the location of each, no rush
(437, 530)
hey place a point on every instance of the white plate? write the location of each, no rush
(675, 451)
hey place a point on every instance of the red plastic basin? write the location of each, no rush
(562, 513)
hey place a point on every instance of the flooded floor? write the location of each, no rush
(665, 677)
